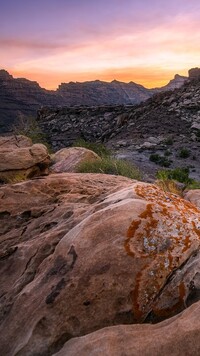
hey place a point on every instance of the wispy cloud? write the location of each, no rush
(80, 40)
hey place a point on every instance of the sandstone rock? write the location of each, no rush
(84, 251)
(68, 159)
(178, 336)
(19, 159)
(193, 196)
(13, 142)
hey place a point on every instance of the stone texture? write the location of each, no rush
(20, 159)
(82, 251)
(193, 196)
(178, 336)
(68, 159)
(13, 142)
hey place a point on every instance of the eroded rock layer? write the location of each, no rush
(81, 251)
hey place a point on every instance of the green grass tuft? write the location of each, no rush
(109, 165)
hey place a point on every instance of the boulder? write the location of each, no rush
(14, 142)
(193, 196)
(68, 159)
(20, 159)
(80, 252)
(176, 336)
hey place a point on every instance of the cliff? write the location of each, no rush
(22, 96)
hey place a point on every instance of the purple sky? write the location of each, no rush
(62, 40)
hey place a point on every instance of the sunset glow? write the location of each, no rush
(78, 40)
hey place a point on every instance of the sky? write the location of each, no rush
(54, 41)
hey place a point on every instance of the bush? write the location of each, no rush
(168, 179)
(160, 160)
(179, 174)
(184, 153)
(98, 148)
(168, 141)
(28, 126)
(109, 165)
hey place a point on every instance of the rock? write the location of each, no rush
(13, 142)
(68, 159)
(194, 73)
(176, 336)
(20, 160)
(196, 126)
(85, 251)
(193, 196)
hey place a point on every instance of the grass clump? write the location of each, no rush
(176, 180)
(179, 174)
(109, 165)
(98, 148)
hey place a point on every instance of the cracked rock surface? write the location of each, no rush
(80, 252)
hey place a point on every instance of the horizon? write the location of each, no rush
(139, 41)
(80, 82)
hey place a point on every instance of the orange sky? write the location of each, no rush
(142, 41)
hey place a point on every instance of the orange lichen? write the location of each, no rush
(162, 236)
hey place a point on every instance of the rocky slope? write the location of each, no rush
(168, 124)
(22, 96)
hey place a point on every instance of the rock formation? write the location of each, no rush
(177, 336)
(193, 196)
(20, 159)
(194, 73)
(22, 96)
(69, 159)
(83, 251)
(164, 124)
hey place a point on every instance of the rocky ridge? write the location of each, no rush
(165, 124)
(22, 96)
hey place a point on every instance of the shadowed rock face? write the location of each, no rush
(81, 251)
(176, 336)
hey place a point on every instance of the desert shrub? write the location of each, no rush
(193, 185)
(108, 165)
(179, 174)
(168, 178)
(98, 148)
(167, 153)
(168, 141)
(197, 133)
(28, 126)
(184, 153)
(160, 160)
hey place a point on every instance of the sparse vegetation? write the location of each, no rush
(110, 165)
(98, 148)
(167, 179)
(167, 153)
(168, 141)
(28, 126)
(160, 160)
(184, 153)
